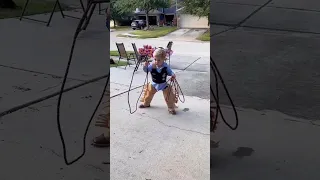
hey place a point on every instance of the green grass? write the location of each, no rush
(205, 36)
(34, 7)
(152, 33)
(115, 53)
(121, 63)
(121, 28)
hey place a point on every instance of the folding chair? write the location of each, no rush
(57, 3)
(169, 47)
(140, 57)
(124, 55)
(92, 4)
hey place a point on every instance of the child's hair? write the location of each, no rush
(160, 53)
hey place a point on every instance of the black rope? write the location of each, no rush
(217, 74)
(78, 30)
(145, 82)
(174, 85)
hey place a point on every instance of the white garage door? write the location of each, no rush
(189, 21)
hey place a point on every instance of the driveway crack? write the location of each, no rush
(244, 20)
(176, 127)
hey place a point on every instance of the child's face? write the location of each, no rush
(158, 60)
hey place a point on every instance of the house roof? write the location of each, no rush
(154, 12)
(171, 10)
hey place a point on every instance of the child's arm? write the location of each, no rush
(170, 72)
(147, 67)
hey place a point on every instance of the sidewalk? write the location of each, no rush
(152, 144)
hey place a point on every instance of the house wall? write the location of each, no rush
(190, 21)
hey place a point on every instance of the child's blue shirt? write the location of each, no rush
(161, 86)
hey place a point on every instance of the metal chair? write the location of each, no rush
(124, 55)
(57, 4)
(92, 4)
(169, 47)
(140, 57)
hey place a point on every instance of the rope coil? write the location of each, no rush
(78, 30)
(215, 110)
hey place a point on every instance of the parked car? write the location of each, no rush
(138, 24)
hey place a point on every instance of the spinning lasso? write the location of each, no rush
(214, 116)
(78, 30)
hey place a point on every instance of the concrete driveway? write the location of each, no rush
(185, 34)
(152, 144)
(267, 52)
(29, 141)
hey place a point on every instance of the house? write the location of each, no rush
(189, 21)
(173, 16)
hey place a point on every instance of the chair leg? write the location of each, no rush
(24, 9)
(52, 12)
(92, 7)
(126, 65)
(135, 60)
(118, 62)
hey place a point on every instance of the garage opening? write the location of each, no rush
(152, 19)
(169, 20)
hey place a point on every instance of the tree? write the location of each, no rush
(145, 5)
(7, 4)
(116, 13)
(199, 8)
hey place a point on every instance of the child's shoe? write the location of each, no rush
(143, 106)
(172, 111)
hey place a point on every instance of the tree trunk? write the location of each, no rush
(7, 4)
(147, 20)
(114, 22)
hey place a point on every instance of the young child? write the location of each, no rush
(159, 71)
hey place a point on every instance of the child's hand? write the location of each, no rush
(146, 63)
(173, 77)
(154, 66)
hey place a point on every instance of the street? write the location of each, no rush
(184, 48)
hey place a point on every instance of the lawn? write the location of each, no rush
(121, 28)
(152, 33)
(205, 36)
(34, 7)
(116, 53)
(121, 63)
